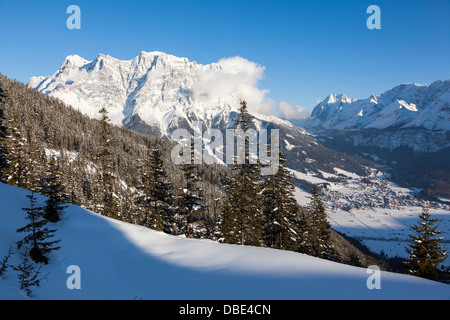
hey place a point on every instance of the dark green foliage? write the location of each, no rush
(54, 190)
(316, 229)
(242, 216)
(16, 173)
(3, 135)
(191, 205)
(107, 183)
(280, 209)
(156, 196)
(425, 251)
(38, 233)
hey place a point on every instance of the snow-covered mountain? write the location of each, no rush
(409, 115)
(156, 92)
(118, 260)
(405, 106)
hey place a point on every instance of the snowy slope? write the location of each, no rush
(123, 261)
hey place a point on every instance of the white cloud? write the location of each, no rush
(231, 80)
(290, 111)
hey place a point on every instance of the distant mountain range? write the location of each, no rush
(412, 115)
(156, 93)
(406, 130)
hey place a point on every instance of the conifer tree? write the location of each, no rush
(38, 234)
(242, 220)
(156, 195)
(425, 251)
(280, 209)
(4, 265)
(3, 135)
(54, 190)
(107, 180)
(16, 174)
(316, 240)
(191, 199)
(34, 162)
(28, 275)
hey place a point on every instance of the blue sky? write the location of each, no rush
(309, 48)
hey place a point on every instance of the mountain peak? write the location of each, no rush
(406, 105)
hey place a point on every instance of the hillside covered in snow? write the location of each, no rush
(124, 261)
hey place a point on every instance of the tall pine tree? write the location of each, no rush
(16, 173)
(156, 196)
(242, 218)
(425, 251)
(316, 236)
(280, 209)
(191, 199)
(110, 206)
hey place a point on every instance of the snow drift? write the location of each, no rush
(123, 261)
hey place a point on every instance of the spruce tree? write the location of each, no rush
(38, 234)
(191, 200)
(109, 205)
(4, 265)
(16, 173)
(54, 190)
(318, 233)
(28, 275)
(425, 251)
(3, 135)
(242, 218)
(280, 209)
(156, 197)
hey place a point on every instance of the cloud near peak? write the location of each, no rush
(237, 78)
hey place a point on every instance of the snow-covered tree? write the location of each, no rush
(156, 196)
(425, 251)
(242, 218)
(16, 173)
(316, 230)
(280, 209)
(3, 134)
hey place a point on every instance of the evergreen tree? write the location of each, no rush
(242, 221)
(109, 207)
(16, 174)
(280, 209)
(317, 236)
(4, 265)
(54, 190)
(28, 275)
(425, 251)
(3, 134)
(34, 162)
(156, 195)
(191, 200)
(38, 233)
